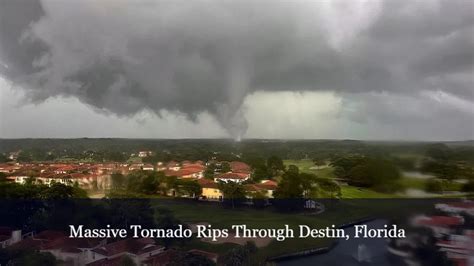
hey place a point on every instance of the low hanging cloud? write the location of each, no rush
(191, 57)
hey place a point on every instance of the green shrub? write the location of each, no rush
(434, 186)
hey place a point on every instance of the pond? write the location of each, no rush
(352, 252)
(417, 174)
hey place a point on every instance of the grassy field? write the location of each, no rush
(452, 186)
(411, 182)
(307, 166)
(351, 192)
(417, 183)
(348, 192)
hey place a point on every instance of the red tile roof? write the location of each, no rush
(182, 172)
(161, 259)
(233, 176)
(270, 183)
(29, 243)
(206, 183)
(49, 235)
(72, 243)
(108, 262)
(240, 167)
(462, 205)
(40, 240)
(209, 255)
(5, 230)
(440, 221)
(252, 188)
(196, 167)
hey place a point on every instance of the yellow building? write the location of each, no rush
(210, 190)
(212, 193)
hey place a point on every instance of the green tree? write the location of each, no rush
(78, 192)
(439, 152)
(343, 164)
(468, 187)
(378, 174)
(4, 158)
(225, 167)
(259, 167)
(127, 261)
(466, 172)
(234, 193)
(259, 199)
(190, 187)
(209, 172)
(325, 188)
(292, 189)
(291, 186)
(442, 169)
(24, 157)
(146, 182)
(3, 177)
(169, 183)
(434, 186)
(61, 191)
(240, 256)
(115, 156)
(33, 258)
(293, 170)
(275, 165)
(189, 259)
(30, 180)
(150, 184)
(308, 182)
(260, 173)
(118, 181)
(318, 161)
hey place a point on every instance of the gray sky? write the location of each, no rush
(375, 69)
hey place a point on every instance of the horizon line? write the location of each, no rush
(231, 139)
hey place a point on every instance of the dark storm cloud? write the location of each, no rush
(15, 17)
(198, 56)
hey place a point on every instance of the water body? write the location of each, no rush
(352, 252)
(417, 174)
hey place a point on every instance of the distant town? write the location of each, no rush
(257, 168)
(96, 177)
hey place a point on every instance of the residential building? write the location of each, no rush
(441, 225)
(143, 154)
(137, 249)
(232, 177)
(9, 236)
(148, 167)
(457, 207)
(210, 190)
